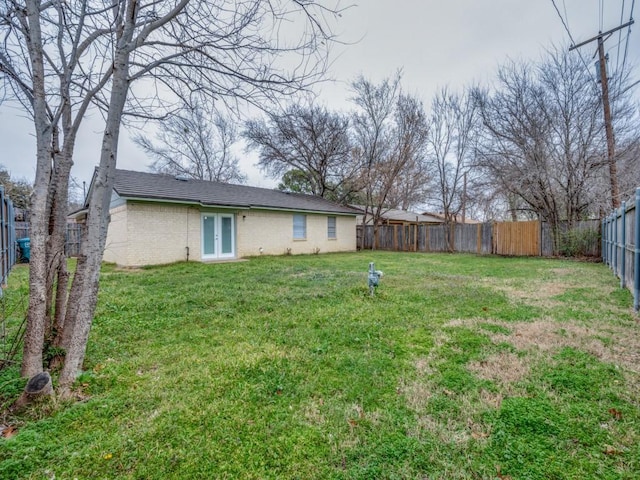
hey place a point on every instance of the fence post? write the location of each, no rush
(636, 259)
(623, 243)
(603, 236)
(611, 221)
(616, 269)
(427, 230)
(608, 227)
(3, 246)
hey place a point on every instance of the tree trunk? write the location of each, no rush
(56, 257)
(84, 289)
(36, 314)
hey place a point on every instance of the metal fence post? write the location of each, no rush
(636, 259)
(623, 244)
(616, 242)
(609, 231)
(3, 239)
(602, 238)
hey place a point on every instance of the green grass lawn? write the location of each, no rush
(285, 368)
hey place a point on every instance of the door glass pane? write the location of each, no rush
(209, 235)
(226, 228)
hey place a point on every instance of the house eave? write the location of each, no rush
(233, 207)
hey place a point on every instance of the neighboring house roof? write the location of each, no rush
(457, 218)
(395, 215)
(161, 187)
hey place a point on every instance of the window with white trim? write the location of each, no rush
(299, 227)
(331, 228)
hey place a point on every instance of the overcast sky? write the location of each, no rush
(435, 43)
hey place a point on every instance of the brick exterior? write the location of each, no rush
(145, 233)
(273, 232)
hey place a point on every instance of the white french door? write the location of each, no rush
(218, 236)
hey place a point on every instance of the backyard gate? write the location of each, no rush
(516, 238)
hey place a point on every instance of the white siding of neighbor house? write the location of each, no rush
(158, 233)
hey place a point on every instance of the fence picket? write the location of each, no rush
(502, 238)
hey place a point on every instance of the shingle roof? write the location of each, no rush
(403, 215)
(154, 186)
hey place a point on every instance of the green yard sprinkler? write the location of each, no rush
(374, 278)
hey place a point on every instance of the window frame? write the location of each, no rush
(334, 228)
(297, 227)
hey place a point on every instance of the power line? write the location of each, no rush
(566, 27)
(626, 47)
(620, 37)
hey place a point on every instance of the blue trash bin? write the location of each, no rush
(24, 246)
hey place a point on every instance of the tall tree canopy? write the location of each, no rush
(451, 151)
(543, 139)
(195, 142)
(309, 141)
(389, 137)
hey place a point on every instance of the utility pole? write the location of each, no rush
(604, 82)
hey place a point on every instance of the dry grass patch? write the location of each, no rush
(623, 348)
(548, 335)
(313, 412)
(446, 432)
(610, 344)
(539, 294)
(503, 368)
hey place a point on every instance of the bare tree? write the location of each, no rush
(451, 147)
(197, 143)
(61, 59)
(543, 140)
(389, 133)
(308, 145)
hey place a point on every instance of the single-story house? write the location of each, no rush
(159, 218)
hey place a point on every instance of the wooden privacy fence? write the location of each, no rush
(500, 238)
(74, 235)
(621, 246)
(426, 238)
(7, 237)
(516, 238)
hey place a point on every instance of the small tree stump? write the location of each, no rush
(38, 386)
